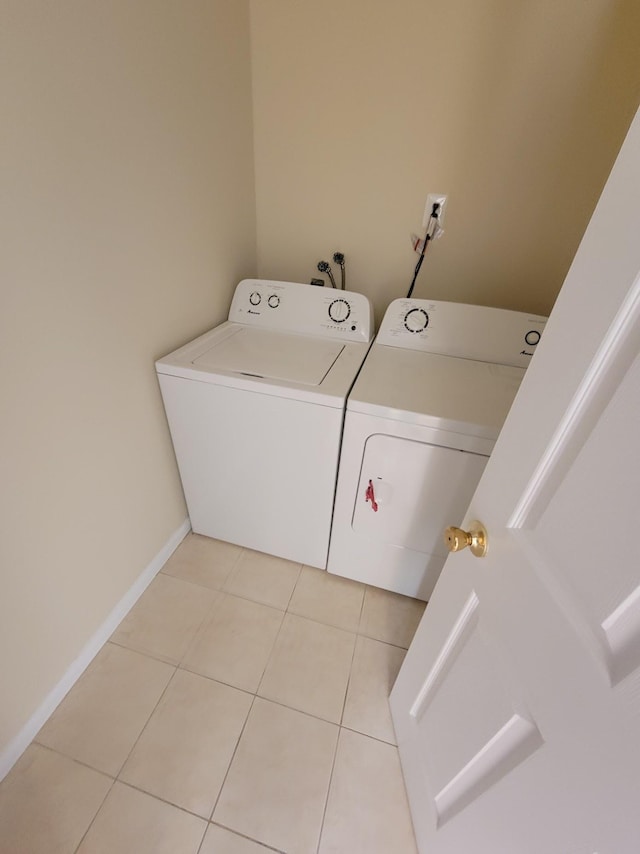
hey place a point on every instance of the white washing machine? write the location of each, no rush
(256, 409)
(421, 422)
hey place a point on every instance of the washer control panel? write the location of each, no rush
(477, 332)
(299, 308)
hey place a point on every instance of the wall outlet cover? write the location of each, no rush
(433, 199)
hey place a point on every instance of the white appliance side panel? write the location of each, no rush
(256, 470)
(355, 554)
(419, 489)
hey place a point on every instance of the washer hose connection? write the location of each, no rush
(338, 258)
(324, 267)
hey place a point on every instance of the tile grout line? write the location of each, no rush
(221, 682)
(145, 652)
(91, 823)
(326, 799)
(138, 788)
(204, 834)
(81, 762)
(240, 835)
(364, 599)
(368, 735)
(293, 589)
(277, 637)
(233, 756)
(269, 657)
(297, 711)
(217, 602)
(233, 569)
(160, 799)
(146, 723)
(335, 754)
(346, 691)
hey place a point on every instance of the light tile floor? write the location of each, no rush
(241, 707)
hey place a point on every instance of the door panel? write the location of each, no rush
(468, 726)
(540, 639)
(597, 558)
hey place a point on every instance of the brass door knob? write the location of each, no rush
(477, 539)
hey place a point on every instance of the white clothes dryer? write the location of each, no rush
(421, 422)
(256, 408)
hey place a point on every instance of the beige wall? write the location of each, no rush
(128, 216)
(515, 109)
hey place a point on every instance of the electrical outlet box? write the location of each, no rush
(434, 199)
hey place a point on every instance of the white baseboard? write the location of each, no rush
(16, 747)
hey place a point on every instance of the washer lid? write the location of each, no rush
(271, 355)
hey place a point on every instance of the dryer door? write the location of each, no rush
(418, 488)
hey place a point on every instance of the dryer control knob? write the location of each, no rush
(339, 310)
(532, 337)
(416, 320)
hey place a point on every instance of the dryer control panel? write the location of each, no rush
(495, 335)
(298, 308)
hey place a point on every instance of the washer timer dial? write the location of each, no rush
(255, 298)
(273, 301)
(339, 310)
(416, 320)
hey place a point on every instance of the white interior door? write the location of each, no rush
(517, 709)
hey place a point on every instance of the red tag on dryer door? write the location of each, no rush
(370, 496)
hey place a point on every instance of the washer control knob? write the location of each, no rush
(532, 337)
(255, 298)
(416, 320)
(339, 310)
(273, 301)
